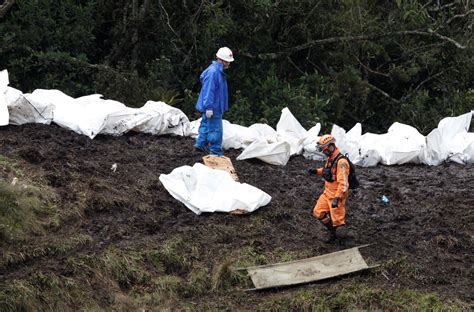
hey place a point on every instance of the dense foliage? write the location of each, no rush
(342, 61)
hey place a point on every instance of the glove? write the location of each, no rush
(311, 171)
(335, 202)
(209, 113)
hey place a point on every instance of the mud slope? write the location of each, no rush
(429, 222)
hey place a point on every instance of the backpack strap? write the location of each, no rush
(338, 157)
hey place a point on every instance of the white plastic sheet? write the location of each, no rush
(124, 120)
(165, 119)
(277, 153)
(369, 155)
(309, 144)
(203, 189)
(440, 143)
(4, 117)
(78, 116)
(348, 142)
(462, 148)
(24, 111)
(291, 131)
(404, 145)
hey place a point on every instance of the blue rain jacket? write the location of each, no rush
(214, 90)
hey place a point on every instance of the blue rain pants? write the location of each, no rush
(210, 135)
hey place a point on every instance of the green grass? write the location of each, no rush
(402, 266)
(361, 297)
(226, 278)
(125, 267)
(44, 291)
(24, 210)
(173, 257)
(11, 167)
(59, 246)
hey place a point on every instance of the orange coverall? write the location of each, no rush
(339, 188)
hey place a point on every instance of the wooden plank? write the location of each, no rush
(307, 270)
(221, 163)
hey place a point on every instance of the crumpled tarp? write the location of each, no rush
(91, 115)
(203, 189)
(277, 153)
(3, 103)
(25, 109)
(450, 138)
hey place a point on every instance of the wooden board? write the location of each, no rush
(221, 163)
(307, 270)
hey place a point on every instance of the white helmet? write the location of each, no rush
(225, 54)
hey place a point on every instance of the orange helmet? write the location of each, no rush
(325, 141)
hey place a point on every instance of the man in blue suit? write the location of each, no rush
(213, 101)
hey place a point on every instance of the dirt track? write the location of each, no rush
(429, 221)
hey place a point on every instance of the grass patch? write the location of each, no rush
(26, 207)
(11, 167)
(226, 278)
(83, 266)
(282, 255)
(402, 266)
(362, 297)
(18, 207)
(60, 246)
(126, 268)
(198, 284)
(174, 257)
(43, 292)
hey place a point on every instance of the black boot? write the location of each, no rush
(330, 234)
(342, 232)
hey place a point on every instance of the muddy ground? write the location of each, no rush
(429, 222)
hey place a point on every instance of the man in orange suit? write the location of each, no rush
(330, 209)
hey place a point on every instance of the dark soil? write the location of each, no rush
(429, 220)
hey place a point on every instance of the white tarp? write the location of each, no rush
(441, 143)
(236, 136)
(277, 153)
(165, 119)
(264, 132)
(463, 148)
(24, 108)
(125, 120)
(78, 116)
(401, 144)
(309, 144)
(289, 128)
(404, 145)
(369, 154)
(3, 103)
(203, 189)
(348, 142)
(91, 115)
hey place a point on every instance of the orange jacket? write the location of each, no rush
(340, 186)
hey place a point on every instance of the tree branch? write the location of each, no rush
(411, 93)
(371, 70)
(171, 28)
(105, 68)
(385, 94)
(5, 6)
(310, 44)
(459, 16)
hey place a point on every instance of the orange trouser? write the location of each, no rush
(323, 208)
